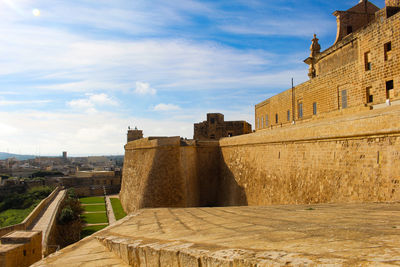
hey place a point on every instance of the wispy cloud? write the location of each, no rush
(23, 102)
(90, 102)
(143, 88)
(166, 107)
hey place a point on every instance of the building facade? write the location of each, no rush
(360, 71)
(215, 128)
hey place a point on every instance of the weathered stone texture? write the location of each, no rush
(351, 158)
(343, 67)
(317, 162)
(215, 128)
(292, 235)
(163, 173)
(20, 248)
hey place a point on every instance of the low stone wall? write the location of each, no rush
(39, 208)
(31, 217)
(49, 234)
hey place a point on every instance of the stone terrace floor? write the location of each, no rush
(294, 235)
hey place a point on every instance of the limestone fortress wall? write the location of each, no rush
(334, 138)
(350, 158)
(169, 172)
(360, 71)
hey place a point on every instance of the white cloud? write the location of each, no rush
(166, 107)
(143, 88)
(97, 133)
(102, 99)
(304, 26)
(22, 102)
(91, 102)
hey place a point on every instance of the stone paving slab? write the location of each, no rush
(86, 253)
(294, 235)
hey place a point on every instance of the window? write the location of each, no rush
(212, 120)
(262, 122)
(230, 134)
(266, 120)
(349, 29)
(388, 48)
(389, 85)
(344, 98)
(276, 118)
(389, 89)
(258, 123)
(212, 136)
(370, 97)
(300, 105)
(367, 60)
(288, 115)
(24, 252)
(314, 108)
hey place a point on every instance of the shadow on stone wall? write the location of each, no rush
(230, 193)
(208, 173)
(209, 183)
(163, 185)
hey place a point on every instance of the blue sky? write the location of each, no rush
(75, 74)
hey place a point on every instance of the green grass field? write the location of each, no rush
(92, 200)
(117, 208)
(100, 207)
(100, 217)
(14, 216)
(88, 230)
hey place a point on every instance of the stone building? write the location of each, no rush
(361, 71)
(215, 127)
(20, 248)
(134, 134)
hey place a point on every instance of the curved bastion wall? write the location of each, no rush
(351, 158)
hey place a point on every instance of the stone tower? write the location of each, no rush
(392, 3)
(134, 134)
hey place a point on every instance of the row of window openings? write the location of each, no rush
(367, 55)
(370, 99)
(389, 87)
(300, 114)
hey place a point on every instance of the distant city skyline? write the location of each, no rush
(74, 75)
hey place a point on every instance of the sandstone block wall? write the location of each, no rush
(343, 67)
(162, 172)
(352, 158)
(22, 249)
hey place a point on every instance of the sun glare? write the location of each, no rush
(36, 12)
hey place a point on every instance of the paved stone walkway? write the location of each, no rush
(293, 235)
(44, 219)
(110, 211)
